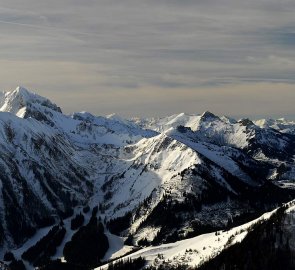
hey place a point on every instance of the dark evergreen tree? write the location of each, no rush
(128, 264)
(58, 265)
(8, 256)
(86, 209)
(94, 211)
(119, 224)
(41, 252)
(77, 221)
(17, 265)
(265, 247)
(88, 245)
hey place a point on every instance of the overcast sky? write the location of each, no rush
(153, 57)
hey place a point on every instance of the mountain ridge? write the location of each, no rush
(198, 173)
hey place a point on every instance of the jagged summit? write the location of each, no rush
(22, 91)
(208, 115)
(246, 122)
(20, 101)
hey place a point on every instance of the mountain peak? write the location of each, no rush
(246, 122)
(208, 115)
(20, 99)
(22, 91)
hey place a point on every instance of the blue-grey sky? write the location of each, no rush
(153, 57)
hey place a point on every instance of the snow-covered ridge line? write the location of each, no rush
(200, 170)
(197, 250)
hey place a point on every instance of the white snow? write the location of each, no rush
(117, 247)
(134, 157)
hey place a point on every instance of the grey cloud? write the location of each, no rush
(110, 45)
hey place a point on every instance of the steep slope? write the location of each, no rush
(176, 190)
(212, 250)
(41, 176)
(215, 163)
(268, 245)
(50, 160)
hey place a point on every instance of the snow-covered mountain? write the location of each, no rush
(49, 160)
(155, 180)
(282, 125)
(270, 144)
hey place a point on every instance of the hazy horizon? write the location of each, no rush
(153, 58)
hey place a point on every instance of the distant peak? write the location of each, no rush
(208, 115)
(115, 117)
(282, 119)
(246, 122)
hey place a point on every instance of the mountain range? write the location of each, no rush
(150, 182)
